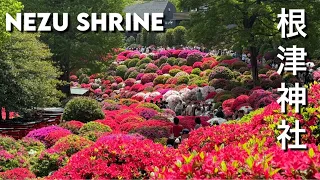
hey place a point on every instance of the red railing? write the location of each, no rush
(20, 130)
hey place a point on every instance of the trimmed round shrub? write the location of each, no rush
(193, 57)
(162, 79)
(172, 61)
(84, 79)
(173, 72)
(132, 63)
(196, 71)
(73, 126)
(147, 78)
(151, 68)
(133, 74)
(121, 70)
(237, 91)
(128, 102)
(152, 132)
(181, 61)
(243, 69)
(130, 82)
(238, 65)
(224, 57)
(93, 130)
(197, 82)
(144, 61)
(183, 80)
(142, 66)
(218, 83)
(221, 72)
(149, 105)
(82, 109)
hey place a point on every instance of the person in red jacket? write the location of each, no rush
(176, 128)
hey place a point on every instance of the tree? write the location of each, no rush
(139, 39)
(7, 6)
(144, 37)
(179, 33)
(160, 39)
(28, 78)
(151, 38)
(169, 37)
(248, 23)
(73, 49)
(130, 40)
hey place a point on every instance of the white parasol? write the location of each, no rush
(310, 64)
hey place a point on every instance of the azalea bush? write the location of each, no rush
(17, 173)
(221, 72)
(127, 158)
(73, 126)
(93, 130)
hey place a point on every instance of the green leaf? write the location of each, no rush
(311, 153)
(250, 161)
(201, 155)
(223, 166)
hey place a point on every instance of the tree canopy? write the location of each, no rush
(7, 6)
(73, 49)
(247, 24)
(28, 78)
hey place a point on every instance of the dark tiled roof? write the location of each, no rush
(156, 6)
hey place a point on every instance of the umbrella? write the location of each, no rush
(246, 109)
(310, 64)
(216, 119)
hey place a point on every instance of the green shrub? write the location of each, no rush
(32, 146)
(93, 130)
(197, 81)
(221, 72)
(162, 79)
(217, 105)
(173, 72)
(133, 74)
(144, 61)
(82, 109)
(121, 70)
(192, 76)
(183, 80)
(162, 60)
(133, 63)
(150, 105)
(142, 66)
(128, 102)
(224, 57)
(263, 71)
(94, 126)
(196, 71)
(172, 61)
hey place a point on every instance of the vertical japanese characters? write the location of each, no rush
(293, 61)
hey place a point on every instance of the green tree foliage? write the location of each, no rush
(160, 39)
(248, 24)
(28, 78)
(130, 40)
(7, 6)
(139, 39)
(74, 49)
(169, 37)
(179, 33)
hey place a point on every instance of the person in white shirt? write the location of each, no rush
(189, 109)
(179, 108)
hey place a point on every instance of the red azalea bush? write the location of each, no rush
(197, 65)
(73, 126)
(228, 103)
(54, 136)
(240, 101)
(147, 78)
(17, 173)
(129, 82)
(152, 132)
(118, 157)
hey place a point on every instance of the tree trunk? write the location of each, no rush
(254, 64)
